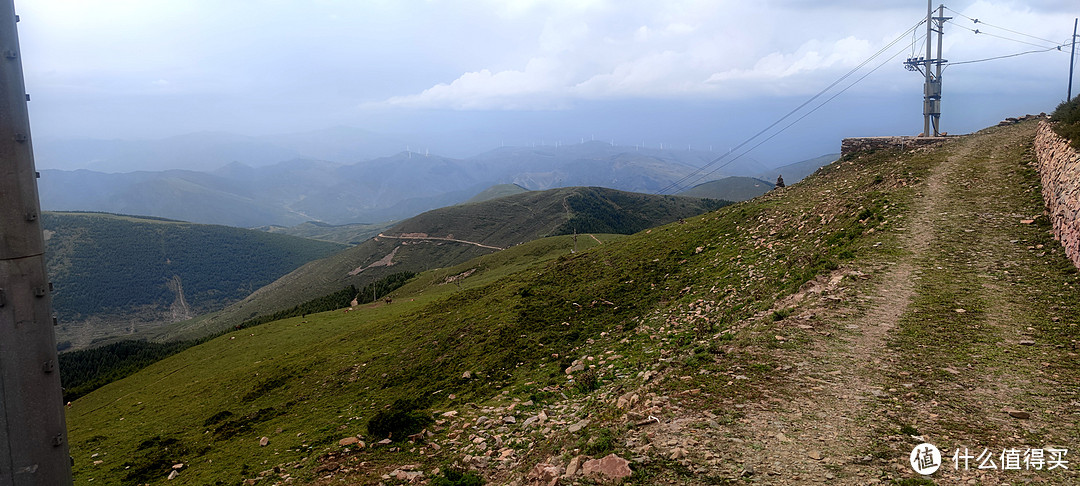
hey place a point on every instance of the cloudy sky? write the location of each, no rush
(680, 72)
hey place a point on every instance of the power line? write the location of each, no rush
(1057, 48)
(980, 32)
(680, 183)
(977, 21)
(797, 120)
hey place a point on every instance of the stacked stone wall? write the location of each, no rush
(863, 144)
(1059, 169)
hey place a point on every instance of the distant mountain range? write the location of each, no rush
(208, 151)
(250, 192)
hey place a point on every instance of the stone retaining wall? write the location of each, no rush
(1059, 169)
(861, 144)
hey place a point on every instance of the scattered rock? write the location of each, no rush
(405, 473)
(178, 466)
(815, 455)
(748, 470)
(509, 419)
(263, 442)
(466, 375)
(573, 467)
(1019, 414)
(611, 468)
(1027, 342)
(174, 474)
(544, 474)
(348, 441)
(578, 426)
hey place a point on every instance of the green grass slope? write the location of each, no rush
(818, 323)
(497, 191)
(117, 274)
(730, 189)
(451, 235)
(347, 234)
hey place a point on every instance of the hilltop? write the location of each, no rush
(348, 234)
(730, 189)
(117, 275)
(451, 235)
(813, 334)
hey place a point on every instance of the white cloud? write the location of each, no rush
(528, 89)
(708, 49)
(811, 56)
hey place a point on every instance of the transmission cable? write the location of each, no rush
(977, 21)
(680, 182)
(797, 120)
(979, 32)
(1057, 48)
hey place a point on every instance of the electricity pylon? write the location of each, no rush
(930, 66)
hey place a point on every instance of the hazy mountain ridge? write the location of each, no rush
(207, 151)
(396, 187)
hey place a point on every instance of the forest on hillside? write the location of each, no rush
(106, 264)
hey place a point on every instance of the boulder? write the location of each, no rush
(544, 474)
(610, 468)
(573, 467)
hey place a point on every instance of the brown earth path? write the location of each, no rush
(932, 345)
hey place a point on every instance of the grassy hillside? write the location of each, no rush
(347, 234)
(451, 235)
(730, 189)
(497, 191)
(795, 172)
(814, 334)
(117, 274)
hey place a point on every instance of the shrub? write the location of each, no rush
(401, 420)
(457, 477)
(602, 444)
(587, 381)
(1067, 118)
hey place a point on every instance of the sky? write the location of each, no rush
(691, 73)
